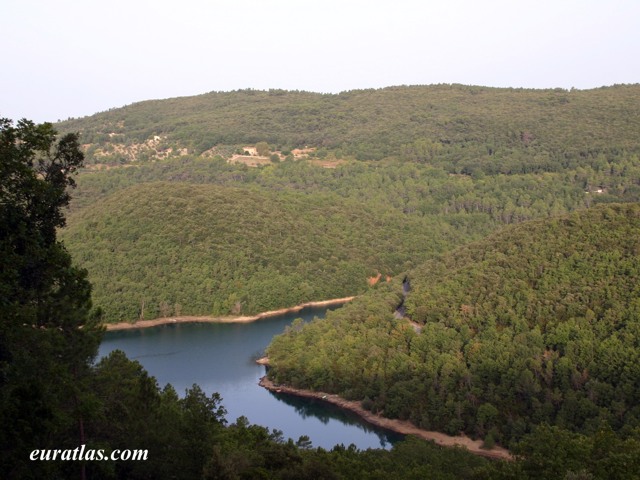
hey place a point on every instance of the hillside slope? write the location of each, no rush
(160, 248)
(536, 324)
(462, 128)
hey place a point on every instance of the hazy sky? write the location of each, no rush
(70, 58)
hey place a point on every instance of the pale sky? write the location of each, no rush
(71, 58)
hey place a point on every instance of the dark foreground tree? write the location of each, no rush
(47, 339)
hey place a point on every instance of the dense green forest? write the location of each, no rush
(453, 163)
(537, 324)
(504, 209)
(254, 239)
(178, 248)
(464, 129)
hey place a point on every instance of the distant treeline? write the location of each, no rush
(463, 129)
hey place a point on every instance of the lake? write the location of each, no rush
(220, 357)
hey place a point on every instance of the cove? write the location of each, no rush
(220, 357)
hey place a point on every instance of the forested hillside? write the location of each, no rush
(420, 170)
(537, 324)
(206, 237)
(463, 129)
(160, 249)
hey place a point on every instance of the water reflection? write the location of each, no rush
(326, 412)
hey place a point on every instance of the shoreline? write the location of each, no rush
(399, 426)
(224, 319)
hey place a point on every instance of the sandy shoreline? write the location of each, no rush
(399, 426)
(225, 319)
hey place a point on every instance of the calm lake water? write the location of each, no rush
(221, 358)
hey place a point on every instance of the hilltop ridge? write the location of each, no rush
(505, 130)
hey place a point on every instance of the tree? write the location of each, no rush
(262, 149)
(47, 337)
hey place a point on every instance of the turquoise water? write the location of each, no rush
(221, 358)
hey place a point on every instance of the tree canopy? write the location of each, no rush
(47, 337)
(464, 129)
(416, 171)
(535, 324)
